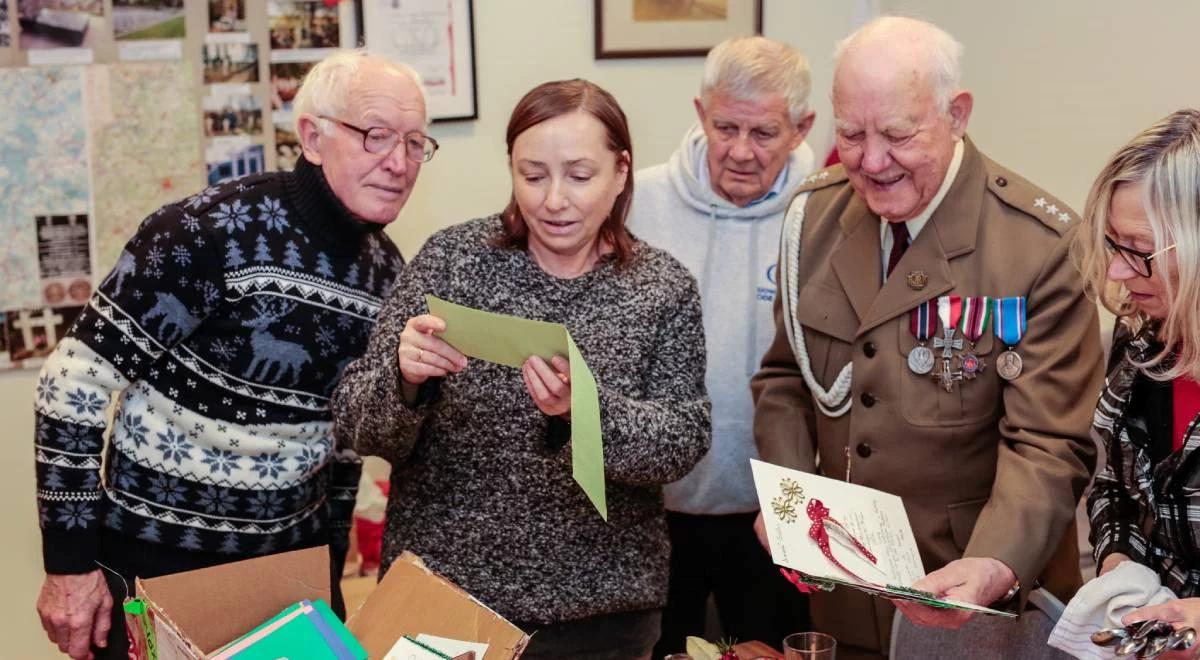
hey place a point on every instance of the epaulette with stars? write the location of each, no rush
(1017, 192)
(822, 178)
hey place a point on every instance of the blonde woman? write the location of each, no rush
(1139, 249)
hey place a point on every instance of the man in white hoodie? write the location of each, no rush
(717, 205)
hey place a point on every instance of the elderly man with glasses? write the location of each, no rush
(222, 332)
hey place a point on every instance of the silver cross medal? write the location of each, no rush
(946, 376)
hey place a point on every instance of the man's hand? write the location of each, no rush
(975, 580)
(75, 612)
(1181, 613)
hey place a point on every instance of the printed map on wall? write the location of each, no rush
(146, 147)
(43, 170)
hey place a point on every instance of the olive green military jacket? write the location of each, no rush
(993, 468)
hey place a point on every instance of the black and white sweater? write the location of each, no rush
(222, 330)
(480, 488)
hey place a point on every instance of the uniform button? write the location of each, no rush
(867, 399)
(863, 449)
(869, 349)
(1001, 181)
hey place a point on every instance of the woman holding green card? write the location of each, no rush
(482, 484)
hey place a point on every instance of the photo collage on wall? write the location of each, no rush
(114, 108)
(232, 112)
(302, 32)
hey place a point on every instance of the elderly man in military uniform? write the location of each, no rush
(905, 272)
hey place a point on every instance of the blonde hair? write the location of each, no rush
(752, 67)
(1165, 159)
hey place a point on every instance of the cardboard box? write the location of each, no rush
(411, 600)
(197, 612)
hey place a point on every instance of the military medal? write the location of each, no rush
(977, 310)
(923, 324)
(949, 311)
(1010, 327)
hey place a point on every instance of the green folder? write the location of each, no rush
(304, 630)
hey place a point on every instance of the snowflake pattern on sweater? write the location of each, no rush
(221, 332)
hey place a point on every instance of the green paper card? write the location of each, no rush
(509, 341)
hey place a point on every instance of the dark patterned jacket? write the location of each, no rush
(481, 486)
(222, 332)
(1145, 503)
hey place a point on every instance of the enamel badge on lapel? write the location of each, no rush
(917, 280)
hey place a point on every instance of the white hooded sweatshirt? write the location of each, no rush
(732, 252)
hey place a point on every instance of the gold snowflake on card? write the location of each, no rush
(792, 490)
(789, 501)
(784, 509)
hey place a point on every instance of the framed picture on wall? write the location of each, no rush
(671, 28)
(435, 38)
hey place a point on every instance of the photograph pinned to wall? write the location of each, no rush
(5, 28)
(435, 37)
(233, 158)
(309, 24)
(232, 114)
(64, 259)
(230, 63)
(670, 28)
(285, 82)
(5, 356)
(148, 19)
(60, 31)
(226, 15)
(287, 143)
(33, 333)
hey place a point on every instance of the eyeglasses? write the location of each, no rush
(378, 140)
(1138, 261)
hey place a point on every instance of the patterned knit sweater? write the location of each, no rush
(222, 331)
(480, 488)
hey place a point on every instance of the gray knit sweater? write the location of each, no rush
(480, 489)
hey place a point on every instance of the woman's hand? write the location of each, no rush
(1181, 613)
(1110, 562)
(549, 384)
(422, 355)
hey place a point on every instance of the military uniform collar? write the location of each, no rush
(951, 232)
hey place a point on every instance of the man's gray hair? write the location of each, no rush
(753, 67)
(328, 86)
(943, 52)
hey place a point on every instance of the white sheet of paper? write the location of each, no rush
(877, 519)
(453, 647)
(405, 649)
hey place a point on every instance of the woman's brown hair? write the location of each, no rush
(561, 97)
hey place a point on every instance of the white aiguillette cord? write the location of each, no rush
(835, 401)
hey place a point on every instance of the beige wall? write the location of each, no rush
(1058, 87)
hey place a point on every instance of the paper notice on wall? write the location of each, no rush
(64, 259)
